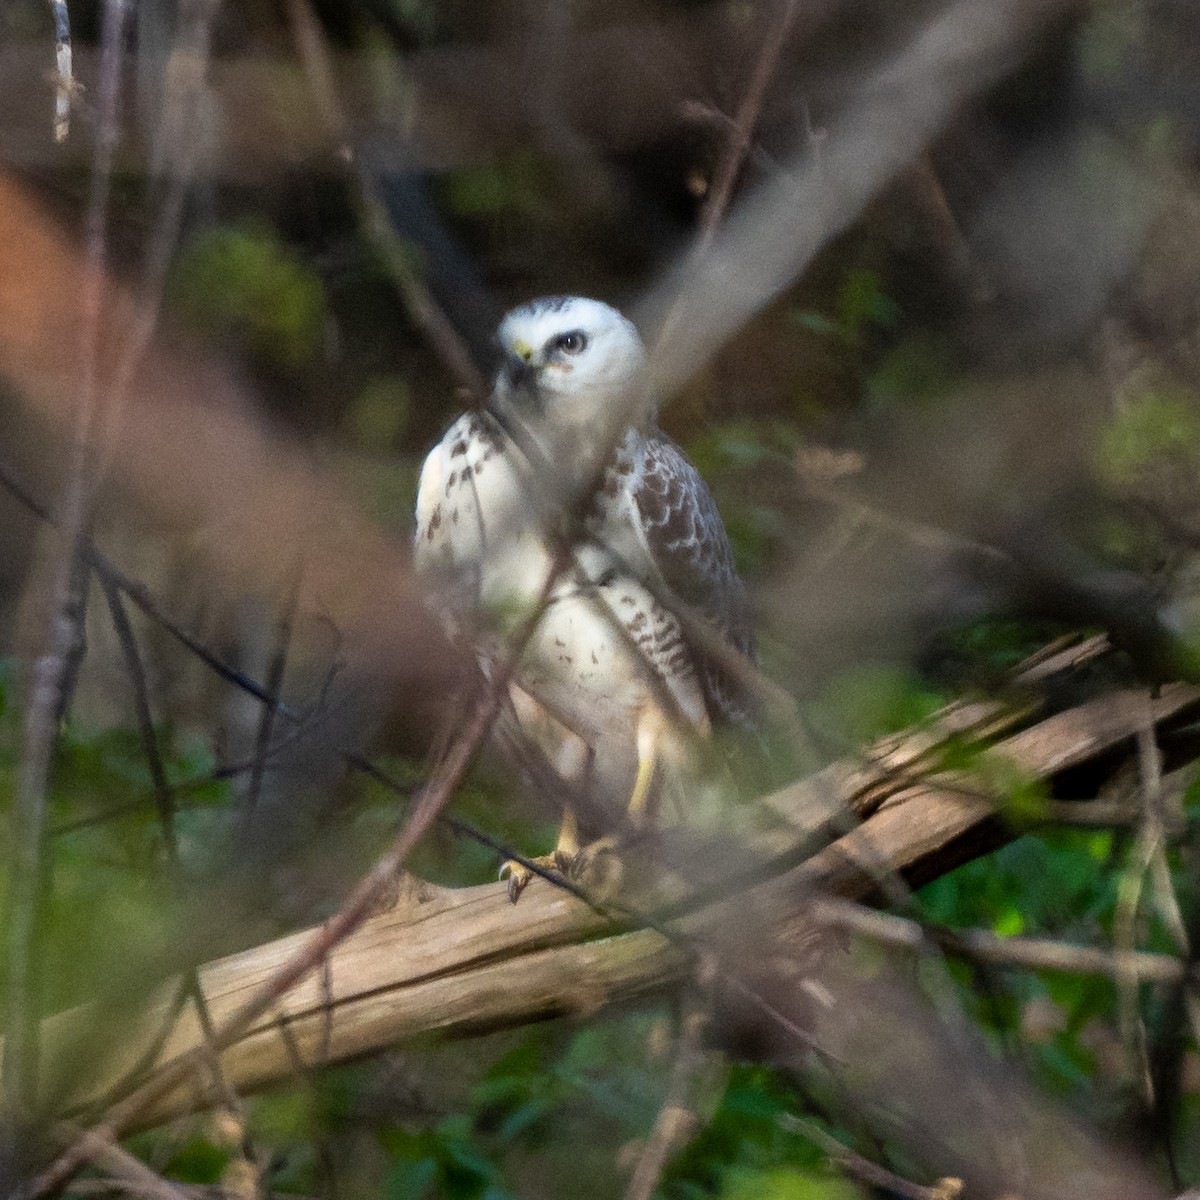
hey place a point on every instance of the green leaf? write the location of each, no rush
(410, 1178)
(1156, 430)
(785, 1184)
(243, 283)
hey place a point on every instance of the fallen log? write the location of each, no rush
(459, 962)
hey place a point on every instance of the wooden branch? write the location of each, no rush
(457, 962)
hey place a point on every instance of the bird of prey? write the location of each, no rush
(565, 466)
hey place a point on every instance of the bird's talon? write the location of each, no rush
(518, 876)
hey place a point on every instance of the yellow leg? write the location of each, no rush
(572, 762)
(639, 800)
(649, 734)
(567, 846)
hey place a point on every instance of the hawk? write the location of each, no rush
(611, 686)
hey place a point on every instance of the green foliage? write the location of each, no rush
(785, 1183)
(993, 646)
(111, 896)
(864, 703)
(919, 369)
(730, 454)
(513, 184)
(1111, 35)
(1059, 884)
(422, 17)
(861, 306)
(379, 414)
(243, 284)
(1153, 432)
(747, 1139)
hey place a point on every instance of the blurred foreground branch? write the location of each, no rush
(462, 962)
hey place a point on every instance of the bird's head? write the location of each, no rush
(571, 362)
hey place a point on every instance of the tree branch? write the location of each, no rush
(462, 962)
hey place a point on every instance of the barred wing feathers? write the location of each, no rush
(687, 542)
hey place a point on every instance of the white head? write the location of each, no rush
(570, 360)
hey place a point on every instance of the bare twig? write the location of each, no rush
(738, 142)
(134, 1176)
(433, 323)
(1148, 849)
(178, 129)
(56, 640)
(741, 135)
(166, 810)
(871, 1173)
(676, 1122)
(64, 81)
(771, 234)
(270, 708)
(1035, 954)
(163, 796)
(358, 906)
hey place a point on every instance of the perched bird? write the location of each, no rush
(565, 465)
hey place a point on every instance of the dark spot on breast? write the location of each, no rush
(435, 522)
(459, 447)
(636, 622)
(611, 485)
(595, 660)
(628, 600)
(451, 481)
(479, 466)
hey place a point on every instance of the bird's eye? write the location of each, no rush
(574, 342)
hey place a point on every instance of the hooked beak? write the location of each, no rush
(519, 370)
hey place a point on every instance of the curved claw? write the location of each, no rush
(518, 877)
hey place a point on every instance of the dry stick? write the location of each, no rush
(1128, 969)
(1130, 890)
(675, 1122)
(1067, 746)
(422, 307)
(737, 145)
(1153, 796)
(1034, 954)
(358, 906)
(871, 1173)
(270, 709)
(741, 135)
(141, 702)
(64, 82)
(141, 597)
(50, 667)
(166, 810)
(134, 1176)
(196, 28)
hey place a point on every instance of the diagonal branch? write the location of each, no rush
(465, 961)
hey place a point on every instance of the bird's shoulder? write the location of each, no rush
(678, 522)
(450, 478)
